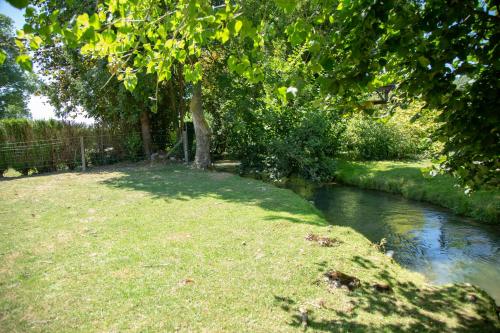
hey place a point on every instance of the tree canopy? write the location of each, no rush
(15, 83)
(340, 51)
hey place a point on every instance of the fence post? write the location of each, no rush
(82, 148)
(185, 145)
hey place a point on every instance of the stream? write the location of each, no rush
(446, 248)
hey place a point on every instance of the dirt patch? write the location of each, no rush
(9, 260)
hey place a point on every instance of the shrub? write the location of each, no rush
(306, 150)
(133, 146)
(366, 138)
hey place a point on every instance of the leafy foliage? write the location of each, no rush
(421, 47)
(424, 48)
(270, 127)
(307, 149)
(368, 139)
(139, 36)
(15, 83)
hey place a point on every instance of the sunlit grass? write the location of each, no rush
(167, 248)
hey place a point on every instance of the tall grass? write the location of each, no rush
(51, 145)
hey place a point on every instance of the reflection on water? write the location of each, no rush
(444, 247)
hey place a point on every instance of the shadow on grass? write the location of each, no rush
(176, 182)
(405, 301)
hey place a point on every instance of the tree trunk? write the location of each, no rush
(201, 129)
(173, 105)
(146, 133)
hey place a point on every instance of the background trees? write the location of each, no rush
(15, 83)
(274, 70)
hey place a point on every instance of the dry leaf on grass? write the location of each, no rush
(322, 240)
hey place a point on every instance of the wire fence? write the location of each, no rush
(69, 153)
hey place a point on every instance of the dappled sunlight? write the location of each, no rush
(444, 247)
(424, 307)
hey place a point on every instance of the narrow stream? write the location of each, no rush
(444, 247)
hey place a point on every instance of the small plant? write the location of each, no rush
(133, 146)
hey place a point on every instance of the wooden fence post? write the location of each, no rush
(82, 148)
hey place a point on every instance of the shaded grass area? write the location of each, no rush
(167, 248)
(409, 179)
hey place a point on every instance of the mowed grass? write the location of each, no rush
(412, 181)
(144, 248)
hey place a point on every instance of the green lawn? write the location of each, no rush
(412, 181)
(144, 248)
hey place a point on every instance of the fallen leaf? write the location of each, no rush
(186, 281)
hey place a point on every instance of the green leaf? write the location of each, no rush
(83, 20)
(232, 62)
(95, 22)
(257, 75)
(130, 80)
(35, 43)
(24, 61)
(424, 62)
(237, 26)
(27, 28)
(19, 44)
(223, 35)
(150, 67)
(243, 66)
(181, 56)
(108, 36)
(287, 5)
(18, 3)
(282, 94)
(3, 56)
(193, 73)
(169, 43)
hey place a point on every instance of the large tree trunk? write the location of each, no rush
(201, 129)
(146, 133)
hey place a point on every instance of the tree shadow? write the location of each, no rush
(406, 300)
(176, 182)
(173, 182)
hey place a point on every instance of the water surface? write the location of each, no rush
(444, 247)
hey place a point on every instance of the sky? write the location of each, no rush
(39, 106)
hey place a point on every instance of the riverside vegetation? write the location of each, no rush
(413, 181)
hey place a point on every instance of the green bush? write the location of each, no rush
(133, 146)
(306, 150)
(298, 141)
(368, 139)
